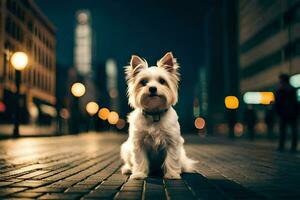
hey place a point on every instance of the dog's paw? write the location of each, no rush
(125, 170)
(138, 176)
(172, 176)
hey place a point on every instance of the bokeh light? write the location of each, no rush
(295, 80)
(92, 108)
(64, 113)
(2, 107)
(113, 117)
(199, 123)
(121, 124)
(231, 102)
(78, 89)
(19, 60)
(267, 98)
(103, 113)
(238, 129)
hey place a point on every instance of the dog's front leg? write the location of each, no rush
(172, 165)
(140, 167)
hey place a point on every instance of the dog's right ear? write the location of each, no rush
(136, 65)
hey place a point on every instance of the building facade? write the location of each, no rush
(24, 28)
(269, 42)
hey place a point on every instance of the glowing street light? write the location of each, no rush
(19, 61)
(199, 123)
(103, 113)
(231, 102)
(78, 89)
(92, 108)
(113, 118)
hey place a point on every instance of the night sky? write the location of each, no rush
(146, 28)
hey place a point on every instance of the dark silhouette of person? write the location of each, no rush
(270, 120)
(286, 106)
(250, 121)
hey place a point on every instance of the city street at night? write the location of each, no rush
(88, 166)
(146, 99)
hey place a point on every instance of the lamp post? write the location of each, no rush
(92, 109)
(231, 103)
(19, 61)
(77, 90)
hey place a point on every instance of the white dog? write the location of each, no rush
(154, 133)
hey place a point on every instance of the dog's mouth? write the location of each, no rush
(153, 95)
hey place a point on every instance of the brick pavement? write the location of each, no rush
(88, 167)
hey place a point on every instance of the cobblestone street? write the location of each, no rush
(88, 167)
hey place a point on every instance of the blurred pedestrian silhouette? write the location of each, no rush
(250, 121)
(269, 120)
(287, 108)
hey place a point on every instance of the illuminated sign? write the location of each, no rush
(259, 98)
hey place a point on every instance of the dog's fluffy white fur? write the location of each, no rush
(153, 125)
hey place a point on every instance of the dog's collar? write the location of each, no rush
(155, 115)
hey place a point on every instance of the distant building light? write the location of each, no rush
(121, 124)
(231, 102)
(64, 113)
(78, 89)
(92, 108)
(267, 98)
(113, 118)
(2, 107)
(259, 98)
(252, 97)
(103, 113)
(199, 123)
(295, 80)
(238, 129)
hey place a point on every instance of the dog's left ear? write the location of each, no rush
(169, 63)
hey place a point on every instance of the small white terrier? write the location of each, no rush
(154, 140)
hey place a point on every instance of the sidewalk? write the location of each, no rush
(87, 166)
(6, 130)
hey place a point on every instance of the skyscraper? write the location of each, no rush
(83, 43)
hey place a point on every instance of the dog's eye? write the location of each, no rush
(162, 81)
(143, 82)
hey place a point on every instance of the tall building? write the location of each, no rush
(23, 27)
(83, 43)
(269, 42)
(222, 62)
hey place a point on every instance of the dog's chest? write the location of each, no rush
(154, 139)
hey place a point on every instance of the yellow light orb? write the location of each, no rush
(103, 113)
(19, 60)
(78, 89)
(231, 102)
(92, 108)
(121, 124)
(113, 117)
(267, 98)
(199, 123)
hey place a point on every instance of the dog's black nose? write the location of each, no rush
(152, 90)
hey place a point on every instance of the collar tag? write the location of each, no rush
(154, 115)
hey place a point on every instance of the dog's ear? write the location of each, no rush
(136, 65)
(169, 63)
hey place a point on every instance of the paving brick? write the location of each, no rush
(227, 170)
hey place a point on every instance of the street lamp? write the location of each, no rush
(92, 109)
(77, 90)
(231, 103)
(19, 61)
